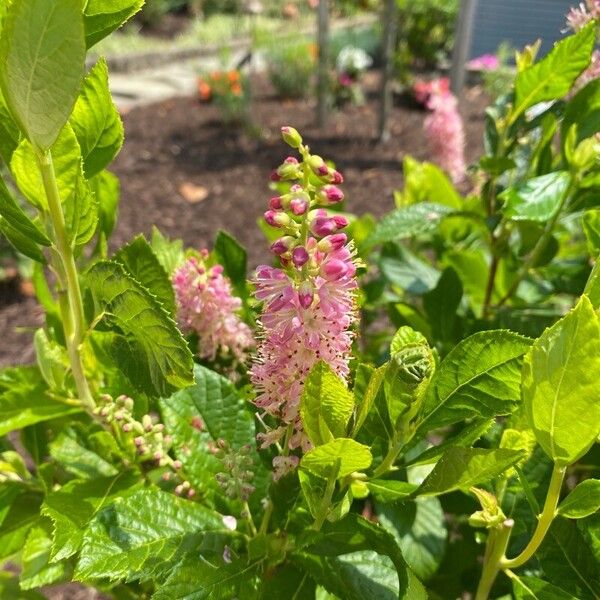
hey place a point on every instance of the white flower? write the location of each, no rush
(230, 522)
(352, 60)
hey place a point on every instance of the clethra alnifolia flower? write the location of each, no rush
(206, 305)
(308, 302)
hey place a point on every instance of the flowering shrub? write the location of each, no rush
(229, 90)
(448, 458)
(350, 65)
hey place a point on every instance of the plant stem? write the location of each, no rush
(489, 289)
(72, 310)
(248, 516)
(398, 442)
(326, 503)
(544, 522)
(494, 551)
(264, 524)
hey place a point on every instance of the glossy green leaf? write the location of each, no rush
(140, 261)
(42, 51)
(170, 253)
(480, 377)
(532, 588)
(102, 17)
(389, 491)
(24, 400)
(74, 505)
(591, 228)
(24, 512)
(365, 391)
(9, 133)
(96, 122)
(538, 199)
(21, 242)
(553, 76)
(408, 221)
(583, 112)
(153, 353)
(81, 213)
(325, 406)
(441, 305)
(420, 532)
(106, 188)
(560, 385)
(461, 468)
(38, 570)
(592, 288)
(583, 501)
(405, 270)
(135, 535)
(52, 359)
(233, 257)
(350, 455)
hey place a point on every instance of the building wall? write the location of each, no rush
(519, 22)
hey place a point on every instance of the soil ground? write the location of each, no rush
(181, 142)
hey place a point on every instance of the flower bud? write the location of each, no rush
(340, 221)
(317, 164)
(177, 464)
(336, 177)
(127, 427)
(305, 294)
(322, 226)
(298, 206)
(291, 137)
(332, 242)
(299, 256)
(334, 269)
(277, 219)
(275, 203)
(283, 244)
(331, 194)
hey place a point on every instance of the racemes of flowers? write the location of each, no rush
(207, 306)
(444, 131)
(579, 16)
(309, 300)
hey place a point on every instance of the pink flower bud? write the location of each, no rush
(323, 226)
(290, 160)
(334, 269)
(340, 221)
(332, 242)
(275, 203)
(317, 164)
(276, 219)
(282, 245)
(299, 206)
(275, 176)
(291, 137)
(300, 256)
(336, 177)
(332, 194)
(305, 294)
(177, 464)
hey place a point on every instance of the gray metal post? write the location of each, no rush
(323, 66)
(462, 45)
(390, 31)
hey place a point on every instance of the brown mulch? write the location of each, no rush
(181, 144)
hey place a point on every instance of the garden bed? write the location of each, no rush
(182, 142)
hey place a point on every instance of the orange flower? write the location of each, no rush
(236, 89)
(204, 90)
(234, 76)
(313, 50)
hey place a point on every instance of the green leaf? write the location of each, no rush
(15, 217)
(194, 579)
(233, 257)
(102, 17)
(21, 242)
(140, 261)
(153, 354)
(170, 253)
(583, 501)
(96, 122)
(461, 468)
(591, 228)
(73, 506)
(532, 588)
(37, 568)
(326, 405)
(365, 391)
(42, 51)
(537, 199)
(565, 557)
(560, 385)
(404, 269)
(23, 513)
(420, 532)
(480, 377)
(9, 584)
(441, 305)
(71, 451)
(582, 112)
(133, 536)
(81, 213)
(350, 455)
(471, 266)
(389, 491)
(51, 359)
(9, 133)
(24, 400)
(408, 221)
(553, 76)
(592, 288)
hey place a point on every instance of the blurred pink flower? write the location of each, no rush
(485, 62)
(423, 90)
(578, 17)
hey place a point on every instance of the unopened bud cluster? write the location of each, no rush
(146, 436)
(309, 304)
(237, 474)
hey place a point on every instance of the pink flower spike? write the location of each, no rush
(300, 256)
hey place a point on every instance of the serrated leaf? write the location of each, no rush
(389, 491)
(408, 221)
(134, 536)
(42, 51)
(73, 506)
(15, 216)
(420, 532)
(37, 568)
(583, 501)
(106, 188)
(154, 354)
(24, 400)
(102, 17)
(532, 588)
(538, 199)
(553, 76)
(140, 261)
(560, 384)
(462, 468)
(81, 213)
(96, 122)
(52, 359)
(21, 242)
(170, 253)
(23, 513)
(350, 455)
(325, 406)
(233, 257)
(480, 377)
